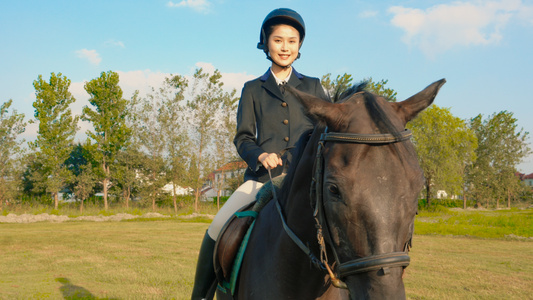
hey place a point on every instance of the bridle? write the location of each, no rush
(343, 269)
(365, 264)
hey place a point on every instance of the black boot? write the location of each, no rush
(205, 278)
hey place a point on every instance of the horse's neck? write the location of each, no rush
(296, 203)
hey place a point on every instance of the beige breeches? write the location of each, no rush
(244, 195)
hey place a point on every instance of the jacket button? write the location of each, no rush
(284, 104)
(285, 122)
(286, 139)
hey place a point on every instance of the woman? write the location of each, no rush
(268, 122)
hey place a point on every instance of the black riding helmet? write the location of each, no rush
(281, 16)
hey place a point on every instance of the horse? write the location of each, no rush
(342, 224)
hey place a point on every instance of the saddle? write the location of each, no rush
(230, 240)
(233, 238)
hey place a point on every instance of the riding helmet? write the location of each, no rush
(281, 16)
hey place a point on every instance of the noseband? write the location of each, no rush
(365, 264)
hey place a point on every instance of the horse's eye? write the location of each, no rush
(333, 189)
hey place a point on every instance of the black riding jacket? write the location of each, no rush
(271, 121)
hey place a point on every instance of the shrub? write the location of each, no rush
(223, 200)
(449, 203)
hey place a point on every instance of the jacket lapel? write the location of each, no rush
(271, 86)
(269, 82)
(295, 79)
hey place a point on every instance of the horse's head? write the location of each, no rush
(367, 183)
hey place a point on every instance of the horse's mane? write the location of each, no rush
(341, 94)
(378, 115)
(375, 111)
(297, 153)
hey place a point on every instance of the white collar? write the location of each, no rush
(279, 81)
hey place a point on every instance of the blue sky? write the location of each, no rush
(482, 48)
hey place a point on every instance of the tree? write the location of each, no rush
(78, 158)
(57, 128)
(31, 176)
(109, 122)
(445, 146)
(177, 159)
(124, 172)
(512, 186)
(501, 148)
(82, 165)
(207, 99)
(149, 133)
(334, 88)
(84, 184)
(225, 132)
(11, 126)
(380, 89)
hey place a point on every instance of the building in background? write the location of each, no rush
(224, 180)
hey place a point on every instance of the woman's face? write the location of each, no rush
(283, 45)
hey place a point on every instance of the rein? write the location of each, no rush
(291, 234)
(356, 266)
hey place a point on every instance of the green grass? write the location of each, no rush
(103, 260)
(155, 258)
(465, 268)
(496, 224)
(72, 210)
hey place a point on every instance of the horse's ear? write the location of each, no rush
(408, 109)
(317, 108)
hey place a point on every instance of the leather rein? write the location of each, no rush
(343, 269)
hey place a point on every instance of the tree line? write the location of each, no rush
(181, 131)
(177, 133)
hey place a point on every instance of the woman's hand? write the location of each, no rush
(270, 160)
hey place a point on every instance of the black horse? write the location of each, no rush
(342, 223)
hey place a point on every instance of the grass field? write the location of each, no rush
(101, 260)
(156, 260)
(496, 224)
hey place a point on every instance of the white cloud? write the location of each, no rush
(442, 27)
(236, 80)
(526, 15)
(368, 14)
(91, 55)
(82, 98)
(230, 80)
(145, 80)
(202, 6)
(141, 80)
(30, 131)
(206, 67)
(114, 43)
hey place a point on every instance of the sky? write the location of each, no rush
(482, 48)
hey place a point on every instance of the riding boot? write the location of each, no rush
(205, 278)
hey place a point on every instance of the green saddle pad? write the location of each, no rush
(229, 287)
